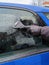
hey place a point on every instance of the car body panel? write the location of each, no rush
(30, 7)
(44, 18)
(38, 10)
(37, 59)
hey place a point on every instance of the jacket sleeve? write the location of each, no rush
(38, 30)
(35, 30)
(45, 32)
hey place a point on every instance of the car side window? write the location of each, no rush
(16, 39)
(27, 18)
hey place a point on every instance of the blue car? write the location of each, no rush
(17, 45)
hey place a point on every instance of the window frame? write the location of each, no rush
(45, 14)
(18, 56)
(25, 9)
(26, 54)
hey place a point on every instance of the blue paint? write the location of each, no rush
(37, 9)
(38, 59)
(44, 18)
(30, 7)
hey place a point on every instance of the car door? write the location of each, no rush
(17, 45)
